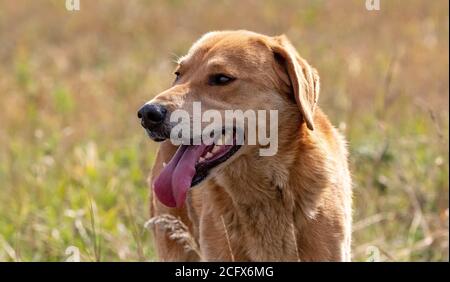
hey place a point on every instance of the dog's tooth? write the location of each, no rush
(215, 149)
(164, 164)
(208, 155)
(219, 141)
(202, 159)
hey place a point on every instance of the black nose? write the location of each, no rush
(152, 114)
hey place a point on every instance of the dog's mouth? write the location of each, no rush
(190, 165)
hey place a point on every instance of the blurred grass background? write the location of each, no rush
(74, 160)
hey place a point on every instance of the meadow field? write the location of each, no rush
(74, 159)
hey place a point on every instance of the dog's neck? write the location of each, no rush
(271, 197)
(252, 178)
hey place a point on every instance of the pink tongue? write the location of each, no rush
(175, 180)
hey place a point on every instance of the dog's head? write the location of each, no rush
(227, 70)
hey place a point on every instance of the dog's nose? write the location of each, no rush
(152, 114)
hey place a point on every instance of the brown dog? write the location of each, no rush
(295, 205)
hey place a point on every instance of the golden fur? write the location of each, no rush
(293, 206)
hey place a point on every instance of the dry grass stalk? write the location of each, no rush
(295, 241)
(228, 238)
(177, 231)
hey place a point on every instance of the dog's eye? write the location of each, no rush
(177, 76)
(220, 79)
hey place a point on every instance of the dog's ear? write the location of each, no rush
(304, 79)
